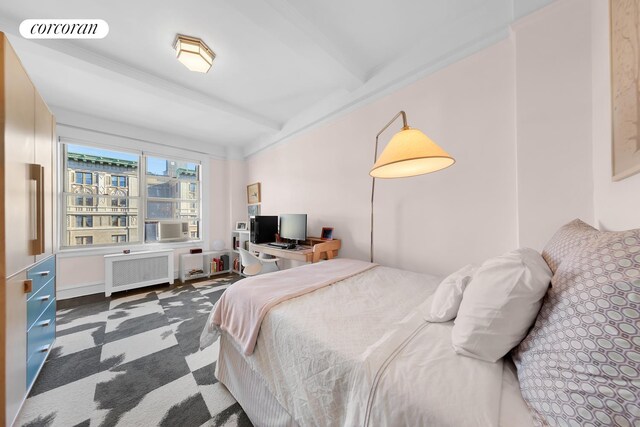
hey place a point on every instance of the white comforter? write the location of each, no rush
(357, 353)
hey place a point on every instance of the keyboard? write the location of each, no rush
(282, 245)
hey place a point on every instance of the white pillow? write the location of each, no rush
(500, 304)
(443, 305)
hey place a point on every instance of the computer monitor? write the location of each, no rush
(263, 228)
(293, 226)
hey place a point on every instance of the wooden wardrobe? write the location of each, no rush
(27, 261)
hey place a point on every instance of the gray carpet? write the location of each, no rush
(134, 360)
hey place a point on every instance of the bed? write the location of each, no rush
(358, 354)
(349, 343)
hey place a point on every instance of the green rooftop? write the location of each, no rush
(187, 172)
(99, 160)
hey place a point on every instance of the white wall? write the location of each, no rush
(431, 223)
(553, 104)
(616, 204)
(238, 192)
(218, 188)
(527, 119)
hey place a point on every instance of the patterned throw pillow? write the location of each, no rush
(580, 363)
(568, 238)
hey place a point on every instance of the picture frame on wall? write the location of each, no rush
(327, 233)
(253, 210)
(253, 193)
(241, 226)
(625, 88)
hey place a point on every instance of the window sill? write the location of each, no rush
(109, 250)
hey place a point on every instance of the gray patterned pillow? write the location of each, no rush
(568, 238)
(580, 363)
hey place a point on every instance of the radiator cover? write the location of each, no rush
(137, 269)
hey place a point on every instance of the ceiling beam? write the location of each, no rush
(400, 73)
(150, 82)
(282, 21)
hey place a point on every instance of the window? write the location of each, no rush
(111, 196)
(119, 221)
(118, 181)
(84, 221)
(84, 240)
(172, 192)
(87, 187)
(84, 201)
(120, 202)
(84, 178)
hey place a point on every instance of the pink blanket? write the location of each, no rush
(241, 308)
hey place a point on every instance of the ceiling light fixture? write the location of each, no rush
(193, 53)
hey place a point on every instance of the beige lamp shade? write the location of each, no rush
(409, 153)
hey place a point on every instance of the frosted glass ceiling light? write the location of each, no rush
(193, 53)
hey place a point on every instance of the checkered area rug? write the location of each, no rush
(134, 360)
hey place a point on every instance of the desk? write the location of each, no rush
(327, 249)
(304, 255)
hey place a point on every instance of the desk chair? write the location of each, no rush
(327, 250)
(254, 265)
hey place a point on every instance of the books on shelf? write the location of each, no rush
(195, 271)
(220, 264)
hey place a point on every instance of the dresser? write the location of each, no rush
(27, 218)
(41, 315)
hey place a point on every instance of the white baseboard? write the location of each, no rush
(80, 291)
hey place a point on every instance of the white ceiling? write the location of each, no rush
(282, 66)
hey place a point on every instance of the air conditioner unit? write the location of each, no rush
(172, 231)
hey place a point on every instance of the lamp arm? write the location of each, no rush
(375, 157)
(404, 125)
(373, 189)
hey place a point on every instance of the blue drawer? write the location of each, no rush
(42, 333)
(34, 364)
(41, 273)
(40, 300)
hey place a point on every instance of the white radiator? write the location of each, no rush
(137, 269)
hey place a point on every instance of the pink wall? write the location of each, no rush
(432, 223)
(219, 189)
(527, 119)
(553, 104)
(238, 193)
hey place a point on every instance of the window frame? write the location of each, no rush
(199, 193)
(142, 198)
(95, 215)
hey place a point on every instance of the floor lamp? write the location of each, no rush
(409, 153)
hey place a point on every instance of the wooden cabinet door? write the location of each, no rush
(44, 157)
(20, 197)
(16, 345)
